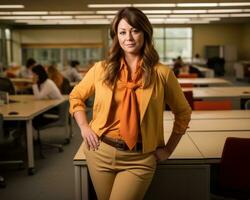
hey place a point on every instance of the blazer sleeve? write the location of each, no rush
(82, 91)
(178, 104)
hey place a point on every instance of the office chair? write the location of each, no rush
(186, 85)
(5, 140)
(6, 85)
(233, 177)
(213, 105)
(247, 105)
(190, 75)
(190, 98)
(49, 120)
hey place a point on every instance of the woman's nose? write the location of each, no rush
(129, 36)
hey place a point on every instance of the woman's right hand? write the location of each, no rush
(90, 138)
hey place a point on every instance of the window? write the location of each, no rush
(173, 42)
(62, 56)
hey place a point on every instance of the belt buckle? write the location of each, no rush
(120, 146)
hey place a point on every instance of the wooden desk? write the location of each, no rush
(182, 161)
(204, 81)
(221, 114)
(21, 84)
(221, 92)
(213, 114)
(235, 94)
(211, 144)
(208, 73)
(28, 107)
(188, 168)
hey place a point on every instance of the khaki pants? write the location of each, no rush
(120, 175)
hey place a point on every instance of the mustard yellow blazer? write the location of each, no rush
(163, 90)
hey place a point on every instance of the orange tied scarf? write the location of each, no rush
(130, 115)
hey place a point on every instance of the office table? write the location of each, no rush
(28, 108)
(204, 81)
(21, 84)
(188, 168)
(234, 93)
(207, 72)
(213, 114)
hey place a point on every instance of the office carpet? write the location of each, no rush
(54, 178)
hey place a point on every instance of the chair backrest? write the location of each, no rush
(186, 85)
(189, 96)
(190, 75)
(62, 116)
(234, 174)
(65, 88)
(6, 85)
(247, 105)
(4, 138)
(213, 105)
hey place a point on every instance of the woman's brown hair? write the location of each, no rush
(150, 57)
(55, 76)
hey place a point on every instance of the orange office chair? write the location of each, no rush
(233, 175)
(213, 105)
(189, 96)
(186, 85)
(190, 75)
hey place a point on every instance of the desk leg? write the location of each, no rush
(30, 149)
(81, 183)
(85, 183)
(78, 183)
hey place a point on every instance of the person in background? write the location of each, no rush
(184, 68)
(61, 82)
(26, 72)
(72, 73)
(125, 138)
(197, 60)
(43, 87)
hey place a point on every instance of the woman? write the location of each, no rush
(125, 138)
(61, 82)
(43, 87)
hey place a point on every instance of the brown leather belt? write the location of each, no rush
(120, 144)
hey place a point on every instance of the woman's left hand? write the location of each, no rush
(161, 154)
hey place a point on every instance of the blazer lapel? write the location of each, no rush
(146, 95)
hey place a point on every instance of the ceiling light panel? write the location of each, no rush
(11, 6)
(189, 11)
(56, 17)
(224, 10)
(157, 11)
(235, 4)
(197, 4)
(160, 5)
(30, 13)
(19, 17)
(90, 17)
(108, 5)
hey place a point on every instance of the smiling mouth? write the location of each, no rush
(130, 45)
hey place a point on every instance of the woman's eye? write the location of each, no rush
(122, 33)
(135, 31)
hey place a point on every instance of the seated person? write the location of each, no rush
(61, 82)
(43, 87)
(198, 60)
(26, 72)
(72, 73)
(186, 69)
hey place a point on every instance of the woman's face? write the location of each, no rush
(130, 39)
